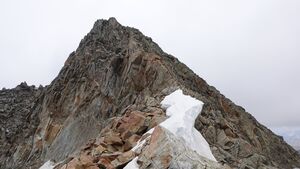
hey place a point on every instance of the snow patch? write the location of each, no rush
(183, 111)
(132, 164)
(48, 165)
(141, 143)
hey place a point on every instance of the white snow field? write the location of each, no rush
(48, 165)
(132, 164)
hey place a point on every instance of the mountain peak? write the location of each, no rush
(111, 22)
(110, 91)
(114, 36)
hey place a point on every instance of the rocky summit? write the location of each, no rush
(103, 110)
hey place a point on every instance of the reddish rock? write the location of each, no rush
(110, 156)
(92, 167)
(131, 142)
(73, 164)
(51, 132)
(112, 138)
(98, 150)
(86, 160)
(132, 123)
(123, 159)
(106, 163)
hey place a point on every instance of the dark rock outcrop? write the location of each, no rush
(116, 69)
(19, 108)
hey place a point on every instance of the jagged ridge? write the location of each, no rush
(116, 69)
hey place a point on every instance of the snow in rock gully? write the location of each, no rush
(182, 111)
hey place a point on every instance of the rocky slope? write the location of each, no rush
(116, 72)
(19, 108)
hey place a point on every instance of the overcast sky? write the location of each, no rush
(249, 50)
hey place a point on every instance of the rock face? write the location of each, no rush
(112, 147)
(111, 88)
(19, 108)
(168, 143)
(164, 150)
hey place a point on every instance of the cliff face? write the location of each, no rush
(115, 71)
(19, 109)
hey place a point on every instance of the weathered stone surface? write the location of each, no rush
(19, 108)
(123, 159)
(112, 148)
(164, 150)
(241, 141)
(117, 70)
(131, 142)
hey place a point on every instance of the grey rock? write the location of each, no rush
(165, 150)
(113, 69)
(19, 108)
